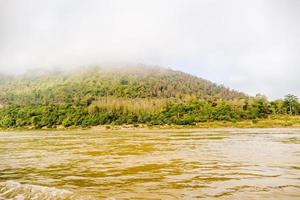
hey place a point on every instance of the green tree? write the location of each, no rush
(291, 104)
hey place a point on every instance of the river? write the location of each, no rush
(167, 164)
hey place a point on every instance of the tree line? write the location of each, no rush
(152, 111)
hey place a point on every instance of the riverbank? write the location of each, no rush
(275, 121)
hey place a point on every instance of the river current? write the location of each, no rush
(178, 164)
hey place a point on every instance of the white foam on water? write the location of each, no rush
(12, 190)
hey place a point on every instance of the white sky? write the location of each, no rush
(248, 45)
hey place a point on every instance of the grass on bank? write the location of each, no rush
(272, 121)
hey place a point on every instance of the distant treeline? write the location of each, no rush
(117, 111)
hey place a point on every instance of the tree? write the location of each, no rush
(291, 104)
(278, 107)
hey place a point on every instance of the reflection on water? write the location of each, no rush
(185, 164)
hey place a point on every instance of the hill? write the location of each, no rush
(94, 82)
(125, 95)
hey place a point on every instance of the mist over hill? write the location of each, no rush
(139, 81)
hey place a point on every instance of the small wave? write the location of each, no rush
(12, 190)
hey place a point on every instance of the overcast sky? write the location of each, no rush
(249, 45)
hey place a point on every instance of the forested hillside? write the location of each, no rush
(90, 84)
(125, 95)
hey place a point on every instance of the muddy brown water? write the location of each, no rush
(178, 164)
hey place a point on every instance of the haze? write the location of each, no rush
(251, 45)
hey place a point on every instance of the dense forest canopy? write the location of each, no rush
(126, 95)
